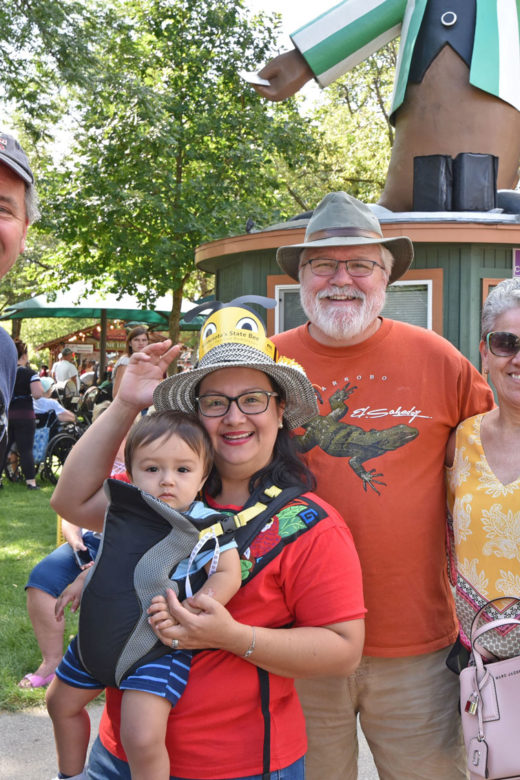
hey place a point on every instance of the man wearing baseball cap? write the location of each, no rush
(17, 199)
(390, 393)
(18, 208)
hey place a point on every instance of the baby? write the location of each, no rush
(168, 455)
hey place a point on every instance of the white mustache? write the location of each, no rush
(346, 290)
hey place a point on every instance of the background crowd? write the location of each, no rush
(302, 615)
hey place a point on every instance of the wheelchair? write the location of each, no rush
(53, 440)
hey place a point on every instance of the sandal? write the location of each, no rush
(35, 681)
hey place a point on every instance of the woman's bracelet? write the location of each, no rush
(252, 645)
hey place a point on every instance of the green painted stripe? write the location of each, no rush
(485, 70)
(408, 38)
(354, 36)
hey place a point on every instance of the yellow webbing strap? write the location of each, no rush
(245, 516)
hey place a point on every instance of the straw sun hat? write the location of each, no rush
(341, 220)
(234, 337)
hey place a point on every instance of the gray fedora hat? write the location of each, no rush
(341, 220)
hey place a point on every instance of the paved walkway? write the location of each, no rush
(27, 746)
(27, 743)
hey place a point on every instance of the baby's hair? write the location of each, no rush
(158, 424)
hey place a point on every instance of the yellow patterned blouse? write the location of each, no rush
(486, 539)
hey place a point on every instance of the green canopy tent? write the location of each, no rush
(99, 306)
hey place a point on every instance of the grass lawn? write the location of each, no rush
(27, 534)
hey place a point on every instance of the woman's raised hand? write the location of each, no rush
(144, 372)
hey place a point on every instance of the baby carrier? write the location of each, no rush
(154, 538)
(143, 542)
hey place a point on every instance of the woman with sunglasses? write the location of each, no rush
(484, 483)
(299, 613)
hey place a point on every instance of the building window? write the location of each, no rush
(288, 313)
(410, 302)
(416, 299)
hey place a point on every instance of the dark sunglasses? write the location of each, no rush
(503, 344)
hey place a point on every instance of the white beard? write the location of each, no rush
(342, 323)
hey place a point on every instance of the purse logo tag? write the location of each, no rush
(478, 755)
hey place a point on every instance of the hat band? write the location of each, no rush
(333, 232)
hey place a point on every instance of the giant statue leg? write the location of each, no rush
(444, 114)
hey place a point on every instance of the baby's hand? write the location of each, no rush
(160, 616)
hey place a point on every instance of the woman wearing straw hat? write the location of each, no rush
(300, 610)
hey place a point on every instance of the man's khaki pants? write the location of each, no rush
(408, 710)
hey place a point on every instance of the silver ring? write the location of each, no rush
(448, 18)
(175, 644)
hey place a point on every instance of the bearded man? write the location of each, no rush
(390, 394)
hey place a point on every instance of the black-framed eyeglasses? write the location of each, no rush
(217, 404)
(326, 266)
(503, 344)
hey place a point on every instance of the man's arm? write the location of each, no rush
(286, 74)
(333, 44)
(475, 395)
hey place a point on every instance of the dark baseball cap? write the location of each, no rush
(12, 155)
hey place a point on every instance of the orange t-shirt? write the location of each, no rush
(387, 407)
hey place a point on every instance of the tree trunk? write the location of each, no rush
(174, 323)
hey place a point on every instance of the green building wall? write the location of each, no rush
(464, 267)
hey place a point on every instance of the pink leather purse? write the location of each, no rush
(490, 710)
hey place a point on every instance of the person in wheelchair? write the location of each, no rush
(48, 403)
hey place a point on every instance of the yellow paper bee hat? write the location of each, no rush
(233, 336)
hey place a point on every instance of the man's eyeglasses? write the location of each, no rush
(326, 266)
(217, 404)
(503, 344)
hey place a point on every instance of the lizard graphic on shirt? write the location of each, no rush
(342, 440)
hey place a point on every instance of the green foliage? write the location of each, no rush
(27, 534)
(172, 148)
(45, 45)
(169, 147)
(18, 284)
(356, 134)
(27, 277)
(32, 275)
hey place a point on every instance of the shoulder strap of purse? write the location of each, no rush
(486, 606)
